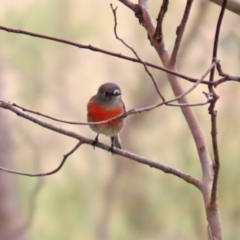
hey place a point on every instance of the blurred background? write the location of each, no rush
(98, 196)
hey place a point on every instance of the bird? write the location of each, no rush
(106, 104)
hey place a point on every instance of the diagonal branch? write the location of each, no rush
(47, 173)
(226, 77)
(114, 10)
(232, 5)
(180, 31)
(158, 35)
(149, 24)
(132, 111)
(84, 140)
(95, 49)
(197, 83)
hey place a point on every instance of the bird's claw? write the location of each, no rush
(95, 142)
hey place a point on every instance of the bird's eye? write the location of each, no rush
(107, 94)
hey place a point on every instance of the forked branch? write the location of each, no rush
(213, 111)
(158, 35)
(114, 10)
(84, 140)
(180, 31)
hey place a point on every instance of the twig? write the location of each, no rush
(95, 49)
(127, 113)
(213, 112)
(180, 31)
(195, 85)
(47, 173)
(114, 10)
(158, 35)
(193, 32)
(129, 4)
(83, 140)
(232, 5)
(226, 77)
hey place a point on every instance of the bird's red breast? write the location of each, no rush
(98, 113)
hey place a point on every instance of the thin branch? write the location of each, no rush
(213, 112)
(95, 49)
(180, 31)
(193, 32)
(83, 140)
(127, 113)
(47, 173)
(195, 85)
(232, 5)
(158, 35)
(114, 10)
(226, 77)
(148, 23)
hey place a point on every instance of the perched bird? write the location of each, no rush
(106, 104)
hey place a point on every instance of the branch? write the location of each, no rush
(114, 10)
(232, 5)
(180, 31)
(158, 35)
(83, 140)
(148, 23)
(196, 84)
(127, 113)
(226, 77)
(213, 112)
(192, 35)
(47, 173)
(95, 49)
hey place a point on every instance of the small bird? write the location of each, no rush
(106, 104)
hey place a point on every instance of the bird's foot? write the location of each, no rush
(111, 150)
(95, 142)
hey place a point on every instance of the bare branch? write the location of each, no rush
(158, 35)
(47, 173)
(95, 49)
(196, 84)
(192, 35)
(129, 155)
(127, 113)
(232, 5)
(150, 26)
(226, 77)
(213, 112)
(180, 31)
(114, 10)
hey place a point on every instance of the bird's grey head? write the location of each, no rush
(109, 91)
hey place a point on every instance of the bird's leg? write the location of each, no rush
(95, 141)
(112, 145)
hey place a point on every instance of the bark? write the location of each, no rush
(212, 211)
